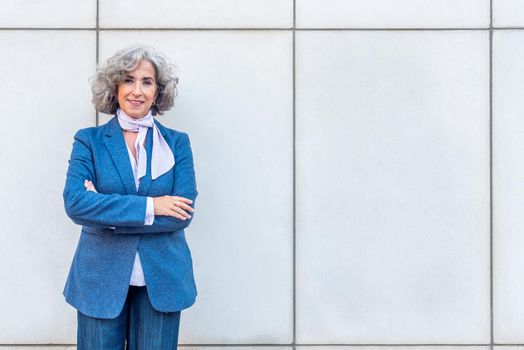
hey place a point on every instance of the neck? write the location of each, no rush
(121, 114)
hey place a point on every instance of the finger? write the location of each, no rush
(184, 206)
(89, 186)
(177, 214)
(182, 212)
(183, 199)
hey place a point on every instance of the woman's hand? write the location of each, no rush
(89, 186)
(173, 206)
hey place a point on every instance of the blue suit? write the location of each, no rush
(113, 224)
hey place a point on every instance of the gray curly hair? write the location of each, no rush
(115, 69)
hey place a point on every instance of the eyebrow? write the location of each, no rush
(145, 78)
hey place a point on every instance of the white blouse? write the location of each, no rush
(137, 275)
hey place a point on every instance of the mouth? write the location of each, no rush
(135, 103)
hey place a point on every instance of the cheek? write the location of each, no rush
(152, 94)
(119, 92)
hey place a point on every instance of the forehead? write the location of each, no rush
(143, 69)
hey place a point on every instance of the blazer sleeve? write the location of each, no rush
(184, 186)
(91, 208)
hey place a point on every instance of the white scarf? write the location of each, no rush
(162, 158)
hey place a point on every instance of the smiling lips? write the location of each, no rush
(135, 103)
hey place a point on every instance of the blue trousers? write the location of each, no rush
(139, 325)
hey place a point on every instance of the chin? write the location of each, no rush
(136, 114)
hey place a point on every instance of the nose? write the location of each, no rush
(137, 89)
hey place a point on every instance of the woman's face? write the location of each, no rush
(138, 90)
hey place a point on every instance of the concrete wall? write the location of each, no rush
(359, 165)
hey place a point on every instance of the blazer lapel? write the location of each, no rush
(117, 148)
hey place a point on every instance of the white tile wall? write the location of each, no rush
(235, 101)
(196, 14)
(393, 187)
(45, 99)
(508, 172)
(183, 347)
(507, 13)
(38, 347)
(47, 14)
(394, 347)
(392, 14)
(392, 167)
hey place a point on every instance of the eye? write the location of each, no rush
(148, 83)
(128, 81)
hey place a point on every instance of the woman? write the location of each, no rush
(131, 185)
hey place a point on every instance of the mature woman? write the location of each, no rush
(131, 185)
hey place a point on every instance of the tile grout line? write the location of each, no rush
(294, 344)
(293, 28)
(97, 121)
(491, 174)
(288, 345)
(342, 29)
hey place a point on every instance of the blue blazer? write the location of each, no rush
(113, 224)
